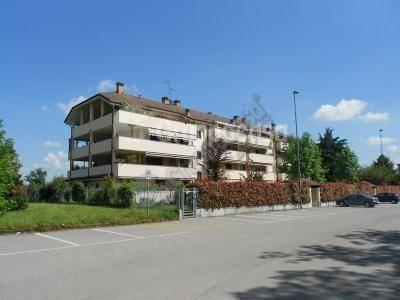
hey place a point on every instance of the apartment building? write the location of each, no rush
(127, 137)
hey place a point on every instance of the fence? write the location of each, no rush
(155, 198)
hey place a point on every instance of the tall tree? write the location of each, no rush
(36, 180)
(9, 164)
(339, 162)
(381, 171)
(310, 159)
(217, 155)
(384, 162)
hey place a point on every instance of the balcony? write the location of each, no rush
(157, 172)
(96, 124)
(240, 175)
(154, 148)
(126, 117)
(240, 157)
(138, 172)
(239, 137)
(96, 171)
(157, 148)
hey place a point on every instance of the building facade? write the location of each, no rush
(127, 137)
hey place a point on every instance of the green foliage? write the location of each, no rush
(45, 216)
(253, 173)
(133, 108)
(380, 172)
(36, 180)
(78, 192)
(9, 164)
(339, 162)
(96, 197)
(310, 159)
(217, 155)
(110, 192)
(48, 193)
(125, 195)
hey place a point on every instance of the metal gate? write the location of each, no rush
(188, 203)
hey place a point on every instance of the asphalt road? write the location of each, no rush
(325, 253)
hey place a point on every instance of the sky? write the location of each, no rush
(342, 56)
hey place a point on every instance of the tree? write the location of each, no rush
(380, 172)
(9, 165)
(36, 180)
(310, 159)
(339, 162)
(217, 155)
(384, 162)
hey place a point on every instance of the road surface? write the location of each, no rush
(324, 253)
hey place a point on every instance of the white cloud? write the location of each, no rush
(57, 160)
(393, 149)
(106, 85)
(344, 110)
(45, 108)
(375, 140)
(66, 107)
(374, 117)
(51, 144)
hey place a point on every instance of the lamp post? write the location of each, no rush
(380, 137)
(298, 148)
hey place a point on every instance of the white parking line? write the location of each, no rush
(89, 245)
(242, 218)
(57, 239)
(118, 233)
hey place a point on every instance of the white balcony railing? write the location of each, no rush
(157, 172)
(99, 123)
(238, 137)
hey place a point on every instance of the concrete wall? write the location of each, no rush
(201, 212)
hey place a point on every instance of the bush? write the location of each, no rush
(125, 195)
(218, 194)
(110, 192)
(78, 192)
(48, 193)
(97, 198)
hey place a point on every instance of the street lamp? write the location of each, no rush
(298, 147)
(380, 136)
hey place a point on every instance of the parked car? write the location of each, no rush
(388, 197)
(358, 199)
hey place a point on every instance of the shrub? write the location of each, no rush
(218, 194)
(125, 195)
(110, 192)
(78, 192)
(48, 193)
(96, 198)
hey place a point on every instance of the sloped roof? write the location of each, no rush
(151, 104)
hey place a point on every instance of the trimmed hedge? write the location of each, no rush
(331, 191)
(218, 194)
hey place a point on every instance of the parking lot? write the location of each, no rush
(242, 257)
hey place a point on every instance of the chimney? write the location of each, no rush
(177, 103)
(120, 88)
(187, 111)
(273, 125)
(165, 100)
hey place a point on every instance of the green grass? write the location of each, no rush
(45, 217)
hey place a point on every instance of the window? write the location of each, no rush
(198, 134)
(198, 175)
(242, 167)
(97, 185)
(228, 166)
(199, 154)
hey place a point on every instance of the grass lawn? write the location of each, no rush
(45, 217)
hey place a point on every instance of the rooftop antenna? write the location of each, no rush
(170, 89)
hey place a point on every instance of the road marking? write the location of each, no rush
(267, 217)
(57, 239)
(114, 232)
(242, 218)
(92, 244)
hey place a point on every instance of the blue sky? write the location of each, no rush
(343, 56)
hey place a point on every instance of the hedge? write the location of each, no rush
(248, 193)
(331, 191)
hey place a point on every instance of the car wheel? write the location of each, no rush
(341, 204)
(367, 204)
(394, 202)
